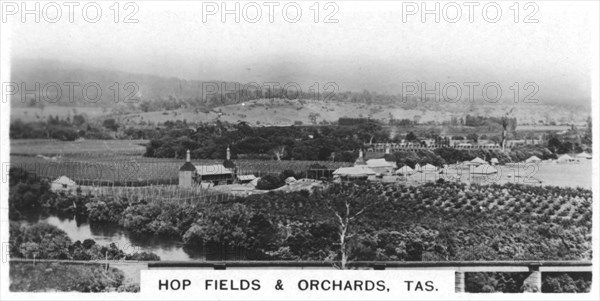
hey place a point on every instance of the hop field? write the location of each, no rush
(140, 171)
(81, 148)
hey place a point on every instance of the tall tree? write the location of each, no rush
(346, 204)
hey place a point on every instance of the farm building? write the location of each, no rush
(404, 170)
(584, 155)
(477, 161)
(427, 168)
(217, 174)
(187, 172)
(62, 183)
(565, 159)
(381, 166)
(360, 160)
(354, 172)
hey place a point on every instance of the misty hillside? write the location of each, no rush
(147, 87)
(183, 99)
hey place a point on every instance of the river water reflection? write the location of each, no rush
(104, 234)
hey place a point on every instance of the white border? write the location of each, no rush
(4, 157)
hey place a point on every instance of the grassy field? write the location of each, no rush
(281, 112)
(33, 114)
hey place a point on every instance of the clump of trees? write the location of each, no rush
(209, 141)
(489, 282)
(566, 282)
(27, 192)
(562, 147)
(269, 182)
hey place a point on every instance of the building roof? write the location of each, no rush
(380, 163)
(63, 180)
(533, 159)
(405, 170)
(584, 155)
(485, 169)
(359, 161)
(428, 167)
(354, 171)
(478, 161)
(215, 169)
(246, 177)
(565, 157)
(187, 166)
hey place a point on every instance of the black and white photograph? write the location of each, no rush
(299, 150)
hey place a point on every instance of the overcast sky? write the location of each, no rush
(369, 48)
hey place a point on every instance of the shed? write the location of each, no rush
(62, 183)
(478, 161)
(405, 170)
(565, 159)
(381, 165)
(428, 168)
(359, 171)
(533, 159)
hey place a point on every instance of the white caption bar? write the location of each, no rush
(297, 284)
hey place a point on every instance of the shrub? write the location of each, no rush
(566, 282)
(494, 282)
(143, 256)
(42, 240)
(26, 277)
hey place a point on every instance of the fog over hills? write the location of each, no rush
(185, 99)
(368, 49)
(156, 87)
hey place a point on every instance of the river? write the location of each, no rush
(105, 234)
